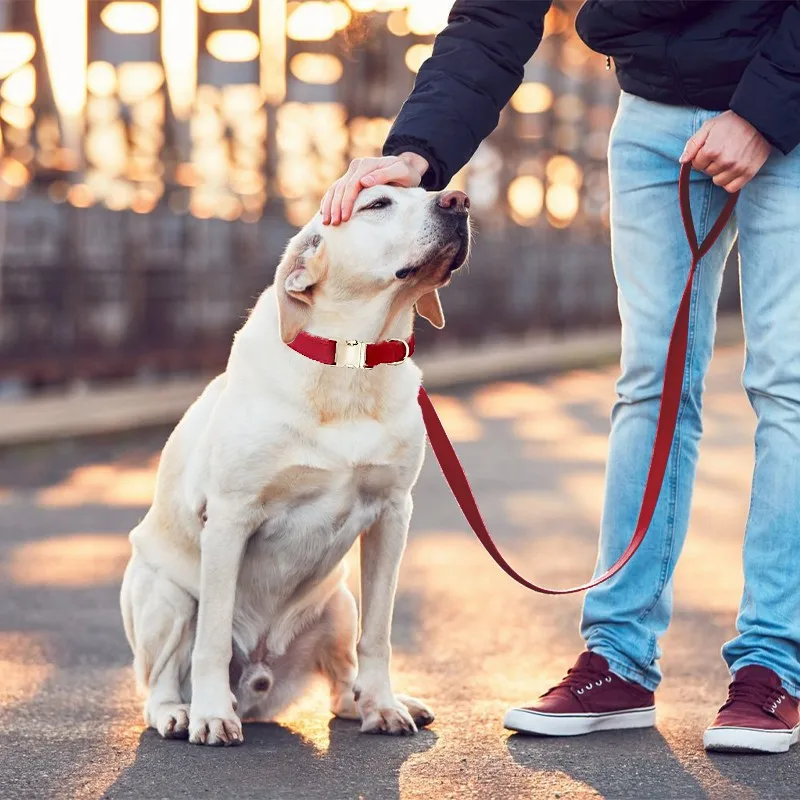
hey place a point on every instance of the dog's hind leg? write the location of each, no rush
(159, 623)
(336, 652)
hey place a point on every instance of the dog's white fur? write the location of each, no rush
(234, 596)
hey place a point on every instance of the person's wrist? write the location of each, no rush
(417, 162)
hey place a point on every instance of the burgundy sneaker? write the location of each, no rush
(591, 698)
(760, 716)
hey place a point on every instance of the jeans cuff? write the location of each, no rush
(627, 672)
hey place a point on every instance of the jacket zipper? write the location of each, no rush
(673, 67)
(608, 62)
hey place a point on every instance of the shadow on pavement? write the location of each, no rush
(274, 762)
(619, 764)
(771, 776)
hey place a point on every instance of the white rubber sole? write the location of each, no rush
(749, 740)
(524, 720)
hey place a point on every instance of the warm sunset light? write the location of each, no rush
(427, 17)
(163, 165)
(80, 195)
(107, 484)
(20, 87)
(64, 27)
(233, 45)
(16, 116)
(341, 14)
(130, 17)
(225, 6)
(364, 6)
(24, 666)
(562, 203)
(73, 560)
(416, 55)
(101, 78)
(532, 98)
(179, 53)
(136, 126)
(563, 169)
(316, 68)
(16, 49)
(461, 423)
(272, 28)
(396, 23)
(138, 80)
(13, 173)
(368, 134)
(526, 197)
(317, 20)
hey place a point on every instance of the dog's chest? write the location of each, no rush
(314, 516)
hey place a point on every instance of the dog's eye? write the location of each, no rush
(381, 202)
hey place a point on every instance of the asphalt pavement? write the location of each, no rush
(466, 638)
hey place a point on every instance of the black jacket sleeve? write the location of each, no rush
(768, 95)
(477, 63)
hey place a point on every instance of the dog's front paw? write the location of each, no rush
(393, 720)
(217, 731)
(420, 713)
(171, 720)
(401, 717)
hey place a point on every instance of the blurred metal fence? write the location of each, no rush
(156, 156)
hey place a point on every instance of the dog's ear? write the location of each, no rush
(430, 307)
(302, 268)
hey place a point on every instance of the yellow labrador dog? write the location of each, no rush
(234, 597)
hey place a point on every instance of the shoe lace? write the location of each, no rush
(583, 679)
(755, 694)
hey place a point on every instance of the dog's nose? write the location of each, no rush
(454, 202)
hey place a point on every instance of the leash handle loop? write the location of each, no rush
(688, 223)
(674, 370)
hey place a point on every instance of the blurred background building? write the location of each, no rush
(156, 156)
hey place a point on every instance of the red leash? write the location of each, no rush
(665, 431)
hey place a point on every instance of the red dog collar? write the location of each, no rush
(352, 353)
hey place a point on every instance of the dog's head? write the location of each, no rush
(398, 248)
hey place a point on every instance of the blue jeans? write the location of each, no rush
(624, 618)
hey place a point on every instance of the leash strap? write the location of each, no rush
(665, 430)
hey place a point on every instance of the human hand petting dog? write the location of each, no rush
(405, 170)
(729, 149)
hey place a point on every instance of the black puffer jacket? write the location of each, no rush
(716, 54)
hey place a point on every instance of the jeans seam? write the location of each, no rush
(745, 594)
(669, 544)
(746, 597)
